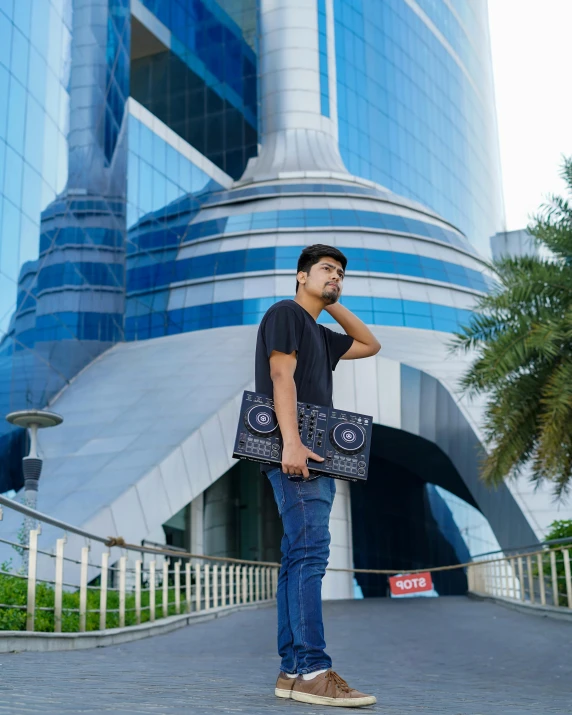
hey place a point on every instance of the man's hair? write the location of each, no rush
(312, 254)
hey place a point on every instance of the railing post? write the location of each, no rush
(244, 584)
(521, 579)
(530, 578)
(512, 579)
(103, 591)
(138, 591)
(122, 574)
(554, 574)
(59, 583)
(231, 570)
(223, 569)
(198, 585)
(188, 585)
(540, 565)
(251, 584)
(32, 565)
(177, 587)
(257, 583)
(566, 554)
(207, 587)
(152, 566)
(215, 586)
(83, 589)
(165, 588)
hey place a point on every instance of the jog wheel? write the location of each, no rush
(347, 438)
(261, 420)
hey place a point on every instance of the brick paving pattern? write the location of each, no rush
(448, 656)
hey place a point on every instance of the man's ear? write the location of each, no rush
(301, 277)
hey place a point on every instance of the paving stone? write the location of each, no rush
(446, 656)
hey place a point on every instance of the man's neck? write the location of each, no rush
(311, 305)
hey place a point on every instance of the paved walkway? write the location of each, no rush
(448, 656)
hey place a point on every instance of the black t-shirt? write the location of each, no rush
(287, 327)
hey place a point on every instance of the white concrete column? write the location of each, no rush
(338, 585)
(295, 135)
(197, 539)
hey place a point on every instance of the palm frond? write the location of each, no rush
(521, 335)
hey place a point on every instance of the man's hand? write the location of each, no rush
(294, 453)
(294, 458)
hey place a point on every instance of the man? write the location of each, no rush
(295, 358)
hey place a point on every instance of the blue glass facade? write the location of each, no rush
(34, 72)
(143, 275)
(165, 189)
(63, 207)
(323, 218)
(35, 41)
(416, 106)
(204, 85)
(158, 173)
(374, 311)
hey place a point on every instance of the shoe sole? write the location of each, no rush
(333, 702)
(280, 693)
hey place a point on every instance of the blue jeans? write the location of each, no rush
(305, 508)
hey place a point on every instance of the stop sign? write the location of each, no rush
(408, 584)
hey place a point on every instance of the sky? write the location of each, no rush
(532, 65)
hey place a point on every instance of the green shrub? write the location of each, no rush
(560, 529)
(14, 592)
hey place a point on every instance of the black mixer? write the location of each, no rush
(342, 438)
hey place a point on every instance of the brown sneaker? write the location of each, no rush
(284, 686)
(329, 689)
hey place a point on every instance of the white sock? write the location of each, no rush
(311, 676)
(291, 675)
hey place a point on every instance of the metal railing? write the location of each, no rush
(537, 577)
(128, 585)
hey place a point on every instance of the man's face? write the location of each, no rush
(324, 279)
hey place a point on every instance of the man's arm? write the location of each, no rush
(294, 453)
(365, 343)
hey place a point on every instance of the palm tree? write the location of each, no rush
(522, 335)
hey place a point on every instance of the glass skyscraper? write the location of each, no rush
(164, 163)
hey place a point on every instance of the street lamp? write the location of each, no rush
(32, 464)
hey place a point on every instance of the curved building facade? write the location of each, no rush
(416, 106)
(369, 126)
(63, 230)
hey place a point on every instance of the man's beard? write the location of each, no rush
(330, 295)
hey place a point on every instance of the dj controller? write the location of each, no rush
(342, 438)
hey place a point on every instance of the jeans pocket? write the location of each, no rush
(275, 477)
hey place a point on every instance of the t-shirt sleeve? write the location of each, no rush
(282, 331)
(339, 344)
